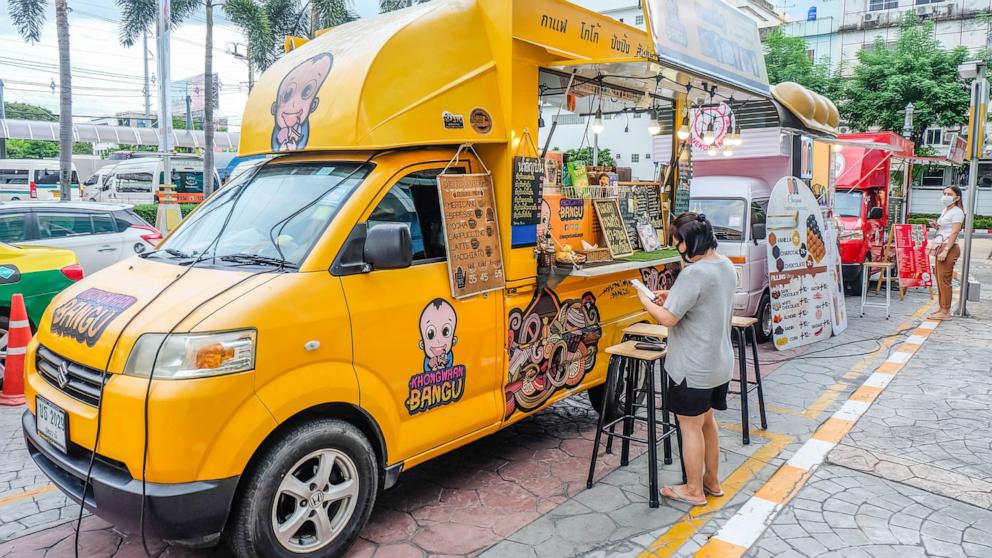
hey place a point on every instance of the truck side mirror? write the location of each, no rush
(875, 213)
(758, 232)
(387, 246)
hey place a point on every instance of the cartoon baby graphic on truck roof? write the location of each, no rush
(296, 100)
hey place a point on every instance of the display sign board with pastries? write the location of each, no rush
(798, 266)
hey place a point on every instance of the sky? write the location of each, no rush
(108, 78)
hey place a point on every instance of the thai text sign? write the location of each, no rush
(708, 37)
(911, 256)
(475, 261)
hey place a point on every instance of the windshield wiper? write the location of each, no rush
(254, 259)
(170, 251)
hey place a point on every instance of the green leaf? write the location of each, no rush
(28, 17)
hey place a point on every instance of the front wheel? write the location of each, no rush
(764, 325)
(308, 496)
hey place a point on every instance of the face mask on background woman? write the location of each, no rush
(946, 200)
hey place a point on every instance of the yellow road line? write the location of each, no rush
(668, 543)
(26, 494)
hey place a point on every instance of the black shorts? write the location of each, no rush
(692, 402)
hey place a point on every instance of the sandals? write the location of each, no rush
(680, 498)
(712, 493)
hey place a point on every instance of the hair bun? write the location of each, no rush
(701, 217)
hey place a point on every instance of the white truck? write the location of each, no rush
(737, 206)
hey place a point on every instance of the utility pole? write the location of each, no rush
(233, 51)
(189, 112)
(147, 90)
(976, 145)
(168, 211)
(907, 178)
(209, 93)
(3, 115)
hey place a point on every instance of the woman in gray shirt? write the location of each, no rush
(697, 311)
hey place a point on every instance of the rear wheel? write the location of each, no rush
(308, 496)
(614, 408)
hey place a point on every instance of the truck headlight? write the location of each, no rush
(192, 355)
(856, 234)
(740, 276)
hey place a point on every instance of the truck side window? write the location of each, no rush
(758, 212)
(413, 201)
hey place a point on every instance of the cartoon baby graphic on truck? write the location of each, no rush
(437, 334)
(296, 100)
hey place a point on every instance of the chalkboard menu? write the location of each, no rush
(628, 211)
(648, 198)
(612, 224)
(468, 209)
(528, 174)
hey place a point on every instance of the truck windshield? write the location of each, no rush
(273, 217)
(847, 203)
(727, 215)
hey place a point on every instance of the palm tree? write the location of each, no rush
(28, 17)
(266, 23)
(137, 16)
(393, 5)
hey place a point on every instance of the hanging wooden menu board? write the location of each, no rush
(468, 210)
(527, 178)
(612, 225)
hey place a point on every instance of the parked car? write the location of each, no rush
(99, 233)
(138, 181)
(32, 179)
(36, 272)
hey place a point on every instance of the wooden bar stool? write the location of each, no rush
(885, 272)
(629, 360)
(740, 327)
(643, 331)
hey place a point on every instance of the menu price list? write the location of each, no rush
(475, 262)
(800, 305)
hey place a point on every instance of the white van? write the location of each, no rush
(737, 206)
(32, 179)
(92, 185)
(137, 181)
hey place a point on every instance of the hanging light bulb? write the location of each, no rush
(711, 151)
(540, 120)
(727, 151)
(708, 137)
(838, 148)
(597, 124)
(683, 133)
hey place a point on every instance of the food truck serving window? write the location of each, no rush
(279, 213)
(728, 215)
(847, 203)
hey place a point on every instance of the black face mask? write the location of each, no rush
(685, 258)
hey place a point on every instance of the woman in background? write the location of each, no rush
(697, 311)
(946, 248)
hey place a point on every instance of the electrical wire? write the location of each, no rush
(877, 340)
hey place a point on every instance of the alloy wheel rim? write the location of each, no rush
(315, 501)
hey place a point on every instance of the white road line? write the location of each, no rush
(811, 454)
(744, 528)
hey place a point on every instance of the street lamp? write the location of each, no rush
(907, 123)
(976, 134)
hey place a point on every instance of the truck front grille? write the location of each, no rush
(75, 380)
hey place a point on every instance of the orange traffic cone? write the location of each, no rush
(18, 337)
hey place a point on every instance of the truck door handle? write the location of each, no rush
(106, 249)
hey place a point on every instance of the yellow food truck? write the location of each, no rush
(305, 335)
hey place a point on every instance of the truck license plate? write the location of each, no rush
(52, 422)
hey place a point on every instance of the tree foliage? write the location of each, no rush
(915, 69)
(267, 23)
(393, 5)
(25, 111)
(786, 59)
(584, 156)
